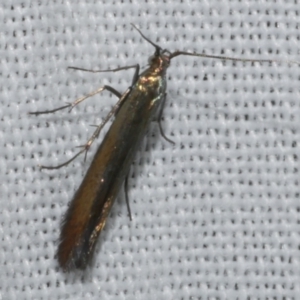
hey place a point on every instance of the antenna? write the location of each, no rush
(153, 44)
(177, 53)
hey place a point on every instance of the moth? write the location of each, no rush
(136, 107)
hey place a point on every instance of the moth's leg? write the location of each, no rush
(79, 100)
(106, 87)
(126, 196)
(96, 133)
(159, 120)
(103, 71)
(112, 90)
(134, 79)
(114, 110)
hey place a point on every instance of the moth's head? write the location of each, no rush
(160, 58)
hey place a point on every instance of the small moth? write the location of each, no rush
(136, 107)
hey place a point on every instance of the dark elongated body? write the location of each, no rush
(93, 200)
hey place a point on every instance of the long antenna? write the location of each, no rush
(177, 53)
(145, 38)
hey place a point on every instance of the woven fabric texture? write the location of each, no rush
(216, 216)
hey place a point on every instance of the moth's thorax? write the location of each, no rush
(159, 64)
(155, 74)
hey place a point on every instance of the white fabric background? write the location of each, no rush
(214, 217)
